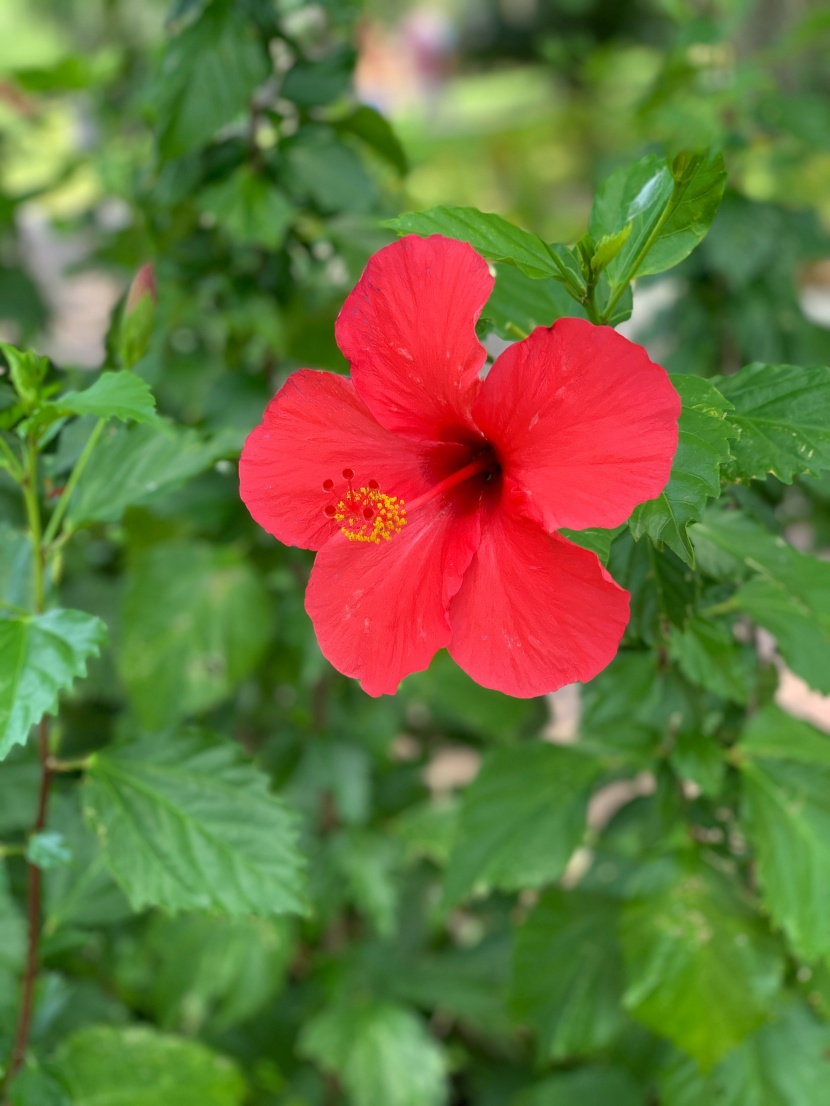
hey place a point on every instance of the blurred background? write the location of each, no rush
(250, 150)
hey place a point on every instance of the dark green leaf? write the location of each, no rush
(311, 84)
(370, 126)
(518, 303)
(789, 596)
(250, 208)
(137, 1066)
(205, 970)
(41, 656)
(188, 824)
(598, 541)
(695, 478)
(521, 819)
(785, 765)
(709, 656)
(223, 622)
(590, 1086)
(496, 239)
(208, 73)
(701, 970)
(381, 1052)
(567, 973)
(783, 415)
(121, 395)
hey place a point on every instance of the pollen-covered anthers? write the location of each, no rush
(368, 514)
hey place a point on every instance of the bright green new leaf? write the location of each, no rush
(669, 209)
(785, 764)
(695, 477)
(498, 240)
(783, 415)
(41, 656)
(121, 395)
(709, 655)
(188, 823)
(701, 970)
(608, 247)
(132, 464)
(567, 980)
(381, 1052)
(521, 819)
(250, 208)
(137, 1066)
(783, 1064)
(184, 662)
(27, 370)
(207, 76)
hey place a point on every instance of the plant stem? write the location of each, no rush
(72, 482)
(30, 494)
(24, 1020)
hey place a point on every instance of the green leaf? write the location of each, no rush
(789, 596)
(521, 819)
(41, 656)
(121, 395)
(48, 849)
(250, 208)
(567, 977)
(222, 624)
(80, 893)
(709, 656)
(208, 73)
(783, 415)
(370, 126)
(380, 1051)
(663, 589)
(314, 83)
(133, 464)
(783, 1064)
(27, 371)
(701, 970)
(16, 569)
(137, 1066)
(498, 240)
(188, 824)
(598, 541)
(701, 758)
(695, 477)
(589, 1086)
(518, 303)
(669, 209)
(785, 765)
(198, 972)
(608, 247)
(329, 173)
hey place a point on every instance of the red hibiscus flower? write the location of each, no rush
(434, 497)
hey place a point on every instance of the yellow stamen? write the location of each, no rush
(369, 515)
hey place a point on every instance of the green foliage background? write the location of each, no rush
(256, 885)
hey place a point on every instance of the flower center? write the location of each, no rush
(368, 514)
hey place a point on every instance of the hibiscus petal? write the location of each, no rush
(535, 611)
(315, 427)
(583, 422)
(380, 611)
(408, 331)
